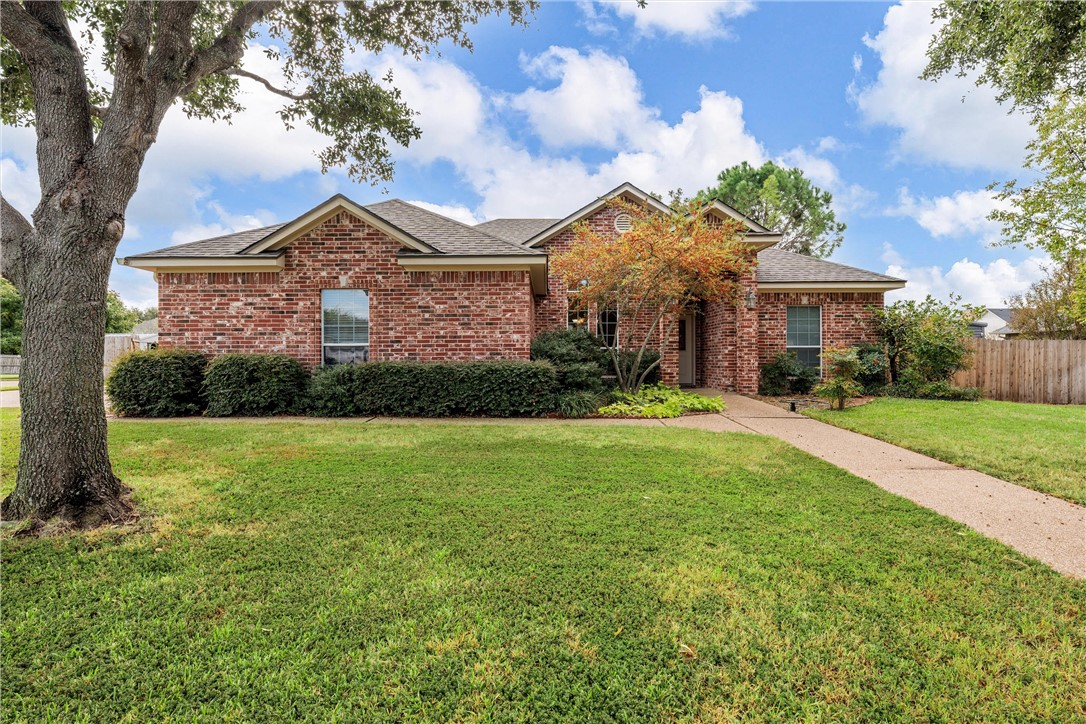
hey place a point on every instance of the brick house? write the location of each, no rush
(392, 281)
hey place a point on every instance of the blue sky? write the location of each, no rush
(539, 121)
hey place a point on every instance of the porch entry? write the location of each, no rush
(688, 346)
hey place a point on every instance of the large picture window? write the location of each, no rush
(607, 326)
(804, 334)
(345, 326)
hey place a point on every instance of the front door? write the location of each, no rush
(687, 346)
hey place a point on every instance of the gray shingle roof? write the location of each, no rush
(226, 245)
(779, 266)
(1004, 313)
(517, 231)
(445, 234)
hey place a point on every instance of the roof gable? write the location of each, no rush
(627, 191)
(316, 216)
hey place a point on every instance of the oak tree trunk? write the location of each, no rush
(64, 468)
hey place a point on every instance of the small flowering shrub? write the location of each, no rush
(842, 365)
(660, 401)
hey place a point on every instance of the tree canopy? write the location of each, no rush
(1026, 50)
(784, 200)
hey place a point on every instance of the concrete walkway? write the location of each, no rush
(1041, 526)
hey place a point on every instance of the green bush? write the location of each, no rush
(842, 365)
(425, 389)
(255, 385)
(577, 403)
(786, 375)
(660, 401)
(912, 388)
(579, 358)
(874, 365)
(157, 383)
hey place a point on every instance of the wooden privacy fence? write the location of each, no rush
(117, 345)
(9, 364)
(1028, 370)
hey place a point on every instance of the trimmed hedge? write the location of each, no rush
(157, 383)
(580, 358)
(431, 389)
(255, 385)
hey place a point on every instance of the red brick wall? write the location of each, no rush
(846, 321)
(426, 316)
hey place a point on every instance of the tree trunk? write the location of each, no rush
(64, 468)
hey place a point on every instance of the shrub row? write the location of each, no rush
(173, 383)
(417, 389)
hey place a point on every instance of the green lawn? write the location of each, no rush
(1042, 447)
(356, 572)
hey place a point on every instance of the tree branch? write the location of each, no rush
(227, 50)
(22, 30)
(278, 91)
(14, 229)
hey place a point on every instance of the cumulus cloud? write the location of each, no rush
(513, 181)
(847, 197)
(561, 117)
(951, 121)
(688, 19)
(988, 284)
(960, 214)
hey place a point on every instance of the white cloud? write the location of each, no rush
(960, 214)
(688, 19)
(989, 285)
(512, 181)
(598, 100)
(950, 121)
(457, 212)
(847, 197)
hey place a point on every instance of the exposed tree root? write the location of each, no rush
(70, 518)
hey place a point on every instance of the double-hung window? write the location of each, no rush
(345, 326)
(607, 326)
(804, 334)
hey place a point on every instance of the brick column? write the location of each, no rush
(746, 340)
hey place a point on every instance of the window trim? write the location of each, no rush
(821, 338)
(369, 343)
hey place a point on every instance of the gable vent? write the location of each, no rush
(623, 223)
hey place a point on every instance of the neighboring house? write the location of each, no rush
(147, 326)
(997, 323)
(392, 281)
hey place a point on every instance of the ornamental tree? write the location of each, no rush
(93, 136)
(661, 267)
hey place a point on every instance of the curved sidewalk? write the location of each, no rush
(1041, 526)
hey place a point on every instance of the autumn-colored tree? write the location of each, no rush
(662, 266)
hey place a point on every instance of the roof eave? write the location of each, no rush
(183, 264)
(838, 286)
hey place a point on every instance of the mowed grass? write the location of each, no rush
(1042, 447)
(343, 571)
